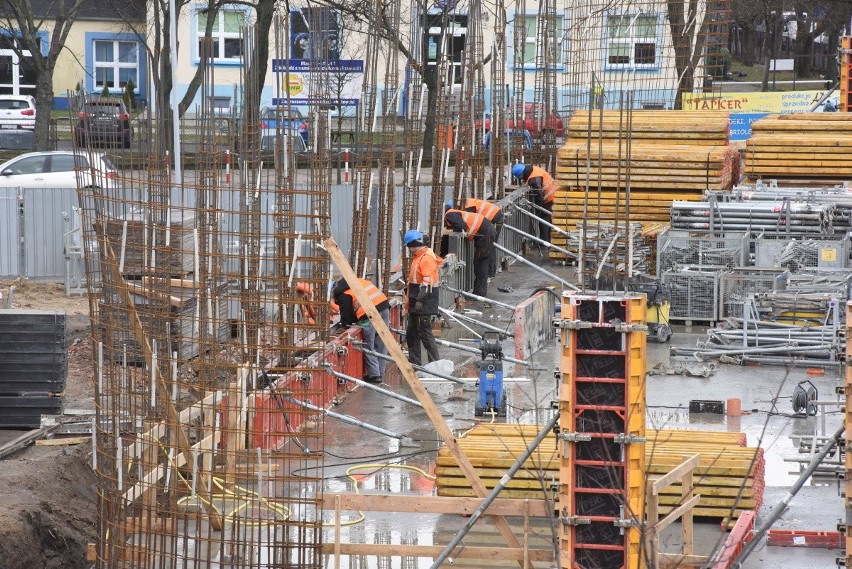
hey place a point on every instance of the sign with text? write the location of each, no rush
(340, 80)
(782, 102)
(745, 108)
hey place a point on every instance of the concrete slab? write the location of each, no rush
(767, 420)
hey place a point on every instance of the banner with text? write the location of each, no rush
(342, 80)
(745, 108)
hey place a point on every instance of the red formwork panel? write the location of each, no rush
(274, 418)
(802, 538)
(741, 534)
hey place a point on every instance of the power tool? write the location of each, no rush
(492, 398)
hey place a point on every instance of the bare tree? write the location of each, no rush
(19, 22)
(689, 26)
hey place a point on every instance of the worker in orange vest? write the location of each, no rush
(542, 191)
(494, 214)
(479, 230)
(352, 313)
(421, 302)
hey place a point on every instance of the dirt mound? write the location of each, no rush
(48, 502)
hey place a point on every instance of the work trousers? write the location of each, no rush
(373, 365)
(492, 258)
(418, 333)
(543, 229)
(483, 255)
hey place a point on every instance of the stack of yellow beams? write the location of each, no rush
(809, 146)
(729, 477)
(666, 155)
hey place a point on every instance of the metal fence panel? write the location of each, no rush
(10, 231)
(46, 215)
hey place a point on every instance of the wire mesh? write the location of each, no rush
(694, 293)
(209, 327)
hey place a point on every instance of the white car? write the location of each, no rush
(17, 112)
(58, 170)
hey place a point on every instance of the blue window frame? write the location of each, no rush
(112, 60)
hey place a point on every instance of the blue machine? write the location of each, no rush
(492, 398)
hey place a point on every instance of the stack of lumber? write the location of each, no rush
(798, 147)
(730, 475)
(665, 155)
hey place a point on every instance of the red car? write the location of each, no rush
(531, 120)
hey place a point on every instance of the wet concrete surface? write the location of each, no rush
(767, 420)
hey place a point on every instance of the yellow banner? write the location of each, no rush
(783, 102)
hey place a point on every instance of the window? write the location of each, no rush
(30, 165)
(528, 25)
(116, 63)
(62, 163)
(632, 41)
(455, 37)
(224, 42)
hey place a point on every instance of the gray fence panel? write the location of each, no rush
(46, 211)
(10, 231)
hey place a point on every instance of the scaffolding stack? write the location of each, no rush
(602, 430)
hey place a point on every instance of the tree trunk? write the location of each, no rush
(748, 47)
(44, 105)
(681, 44)
(767, 60)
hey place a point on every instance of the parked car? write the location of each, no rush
(286, 120)
(530, 118)
(17, 112)
(105, 121)
(57, 169)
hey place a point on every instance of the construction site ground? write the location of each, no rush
(48, 495)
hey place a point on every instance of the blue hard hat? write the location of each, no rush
(412, 235)
(518, 169)
(449, 204)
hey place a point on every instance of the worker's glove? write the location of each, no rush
(418, 307)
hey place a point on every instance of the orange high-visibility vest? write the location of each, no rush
(473, 221)
(376, 296)
(428, 274)
(548, 186)
(487, 209)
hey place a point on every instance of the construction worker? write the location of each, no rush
(542, 191)
(479, 230)
(421, 302)
(494, 214)
(352, 313)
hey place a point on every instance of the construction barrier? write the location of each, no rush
(534, 324)
(740, 535)
(802, 538)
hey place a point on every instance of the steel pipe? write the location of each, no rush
(542, 241)
(480, 298)
(564, 283)
(374, 387)
(344, 418)
(484, 325)
(364, 350)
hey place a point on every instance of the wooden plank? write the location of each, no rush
(681, 561)
(62, 442)
(674, 474)
(463, 552)
(432, 504)
(676, 514)
(185, 416)
(415, 384)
